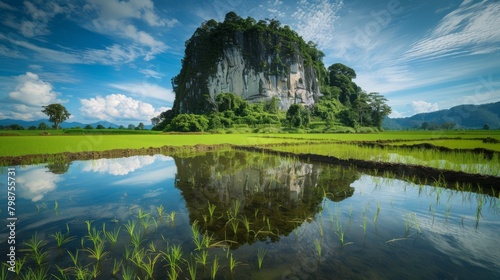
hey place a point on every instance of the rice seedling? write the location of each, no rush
(111, 236)
(35, 274)
(320, 227)
(146, 222)
(3, 272)
(211, 210)
(19, 265)
(95, 271)
(141, 214)
(196, 235)
(61, 238)
(35, 249)
(160, 210)
(64, 273)
(74, 258)
(232, 263)
(136, 239)
(234, 224)
(261, 253)
(215, 267)
(98, 251)
(82, 273)
(116, 267)
(246, 223)
(130, 227)
(202, 257)
(172, 218)
(173, 256)
(151, 247)
(128, 273)
(317, 245)
(94, 236)
(364, 226)
(236, 208)
(149, 265)
(192, 266)
(340, 233)
(56, 206)
(89, 223)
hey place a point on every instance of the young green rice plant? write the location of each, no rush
(98, 251)
(340, 233)
(128, 273)
(172, 218)
(261, 253)
(19, 265)
(89, 223)
(116, 267)
(35, 249)
(56, 206)
(215, 267)
(61, 238)
(160, 210)
(141, 214)
(35, 274)
(146, 222)
(202, 258)
(136, 239)
(317, 245)
(211, 210)
(246, 223)
(149, 265)
(196, 235)
(151, 247)
(364, 225)
(192, 267)
(95, 271)
(94, 236)
(111, 236)
(130, 227)
(232, 263)
(320, 227)
(234, 224)
(74, 258)
(173, 256)
(64, 273)
(82, 273)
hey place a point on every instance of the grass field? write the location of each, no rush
(30, 142)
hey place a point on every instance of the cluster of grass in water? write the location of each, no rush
(466, 161)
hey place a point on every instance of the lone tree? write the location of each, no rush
(57, 113)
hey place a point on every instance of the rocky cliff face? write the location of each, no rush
(253, 60)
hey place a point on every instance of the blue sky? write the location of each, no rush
(114, 60)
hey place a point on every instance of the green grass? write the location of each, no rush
(465, 161)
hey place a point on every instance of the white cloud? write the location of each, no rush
(316, 21)
(117, 107)
(423, 107)
(469, 29)
(115, 18)
(121, 166)
(36, 182)
(147, 90)
(151, 73)
(31, 90)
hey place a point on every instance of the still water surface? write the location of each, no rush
(308, 220)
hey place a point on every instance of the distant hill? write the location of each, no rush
(463, 116)
(27, 124)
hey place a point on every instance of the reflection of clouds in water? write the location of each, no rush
(35, 181)
(154, 193)
(121, 166)
(463, 244)
(150, 177)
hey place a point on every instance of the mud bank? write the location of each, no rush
(116, 153)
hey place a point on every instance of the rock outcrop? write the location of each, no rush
(256, 61)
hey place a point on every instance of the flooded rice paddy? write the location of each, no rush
(243, 215)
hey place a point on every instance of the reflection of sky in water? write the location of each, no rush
(107, 189)
(446, 218)
(85, 191)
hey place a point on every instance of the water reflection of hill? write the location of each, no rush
(274, 194)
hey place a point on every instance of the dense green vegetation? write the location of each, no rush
(343, 107)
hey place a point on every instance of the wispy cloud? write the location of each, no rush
(147, 90)
(469, 29)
